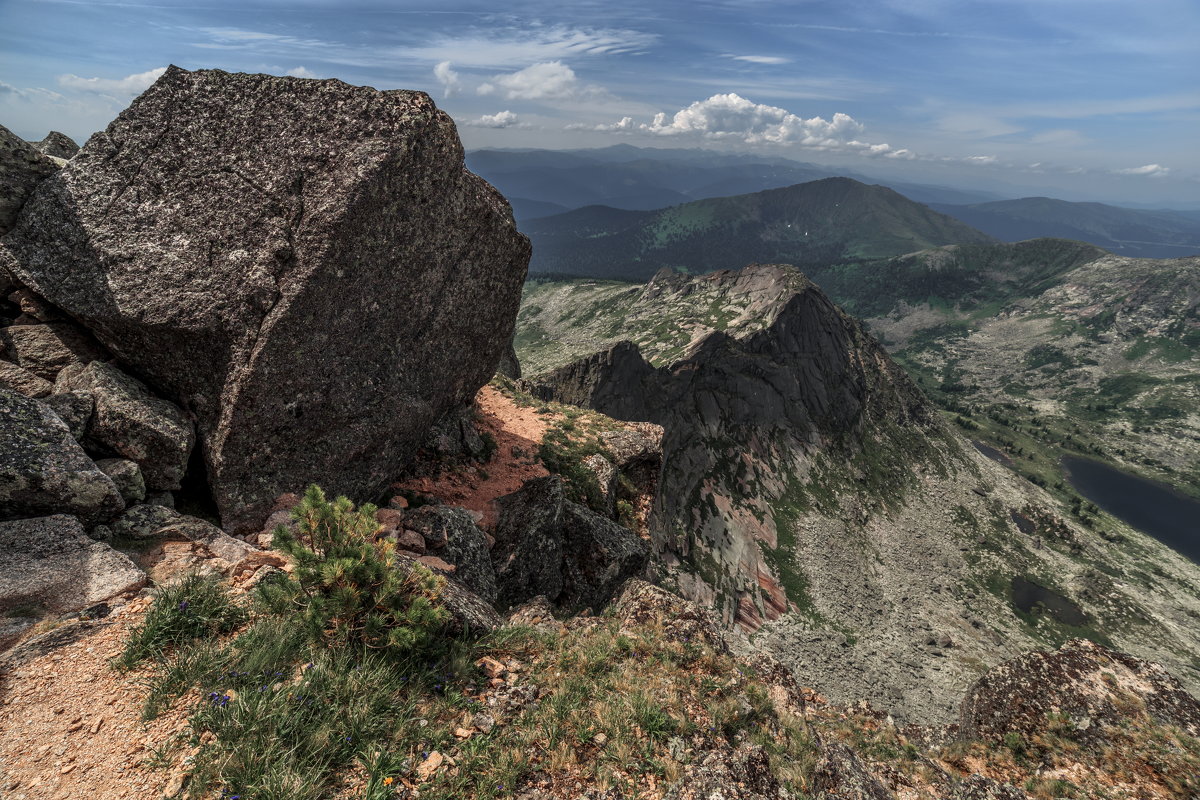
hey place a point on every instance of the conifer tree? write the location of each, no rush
(349, 588)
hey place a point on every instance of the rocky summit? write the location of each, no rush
(716, 544)
(306, 267)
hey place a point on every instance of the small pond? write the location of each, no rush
(993, 453)
(1154, 508)
(1026, 595)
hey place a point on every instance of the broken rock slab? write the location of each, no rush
(548, 545)
(126, 475)
(451, 534)
(43, 470)
(50, 562)
(129, 420)
(46, 348)
(58, 145)
(304, 265)
(19, 379)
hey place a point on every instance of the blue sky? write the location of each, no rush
(1086, 99)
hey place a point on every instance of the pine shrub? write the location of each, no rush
(349, 589)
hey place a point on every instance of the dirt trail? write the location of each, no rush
(71, 727)
(518, 431)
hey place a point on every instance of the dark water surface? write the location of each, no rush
(1154, 508)
(1026, 594)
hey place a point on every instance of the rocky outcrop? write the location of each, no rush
(22, 168)
(58, 145)
(132, 422)
(43, 470)
(742, 413)
(548, 545)
(305, 266)
(1094, 688)
(51, 563)
(509, 366)
(977, 787)
(729, 774)
(840, 775)
(451, 535)
(642, 603)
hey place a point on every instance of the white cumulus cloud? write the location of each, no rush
(1149, 170)
(448, 78)
(502, 119)
(733, 116)
(301, 72)
(129, 85)
(548, 80)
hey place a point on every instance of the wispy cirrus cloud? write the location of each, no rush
(550, 80)
(509, 47)
(477, 48)
(10, 91)
(772, 60)
(1149, 171)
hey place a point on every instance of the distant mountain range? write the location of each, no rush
(539, 183)
(543, 183)
(1125, 231)
(811, 224)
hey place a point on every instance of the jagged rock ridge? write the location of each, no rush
(745, 416)
(890, 543)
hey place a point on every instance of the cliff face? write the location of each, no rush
(746, 416)
(812, 495)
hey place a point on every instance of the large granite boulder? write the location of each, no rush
(1095, 689)
(306, 266)
(132, 422)
(548, 545)
(43, 470)
(51, 563)
(22, 168)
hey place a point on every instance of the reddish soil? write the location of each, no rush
(518, 432)
(71, 727)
